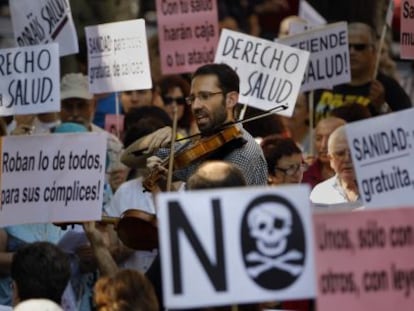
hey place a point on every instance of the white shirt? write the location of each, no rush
(330, 192)
(131, 195)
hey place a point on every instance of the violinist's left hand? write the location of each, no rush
(154, 162)
(155, 181)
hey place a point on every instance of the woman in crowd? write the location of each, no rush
(174, 89)
(284, 160)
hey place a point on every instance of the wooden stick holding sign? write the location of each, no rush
(380, 45)
(387, 23)
(311, 106)
(117, 113)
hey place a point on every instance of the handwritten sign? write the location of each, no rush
(329, 55)
(382, 154)
(50, 178)
(364, 260)
(118, 57)
(188, 34)
(270, 73)
(236, 246)
(407, 26)
(42, 22)
(29, 80)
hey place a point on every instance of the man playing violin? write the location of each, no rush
(213, 97)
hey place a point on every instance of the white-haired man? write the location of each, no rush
(342, 187)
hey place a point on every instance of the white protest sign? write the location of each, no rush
(118, 57)
(329, 55)
(44, 21)
(51, 178)
(235, 246)
(308, 12)
(30, 81)
(382, 154)
(297, 26)
(270, 73)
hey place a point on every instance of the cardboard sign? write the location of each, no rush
(235, 245)
(51, 178)
(307, 12)
(407, 32)
(44, 21)
(188, 34)
(364, 260)
(329, 55)
(382, 154)
(118, 57)
(30, 81)
(270, 73)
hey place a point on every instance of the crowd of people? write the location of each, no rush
(105, 274)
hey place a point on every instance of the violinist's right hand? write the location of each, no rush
(159, 138)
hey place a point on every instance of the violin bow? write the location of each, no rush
(173, 139)
(264, 114)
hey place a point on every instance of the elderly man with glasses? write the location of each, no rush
(342, 187)
(381, 94)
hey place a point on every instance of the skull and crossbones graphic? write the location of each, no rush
(270, 225)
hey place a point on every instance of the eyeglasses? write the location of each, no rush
(341, 154)
(293, 169)
(202, 96)
(359, 46)
(168, 100)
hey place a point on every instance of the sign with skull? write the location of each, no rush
(273, 242)
(238, 245)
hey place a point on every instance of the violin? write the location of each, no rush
(136, 229)
(201, 148)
